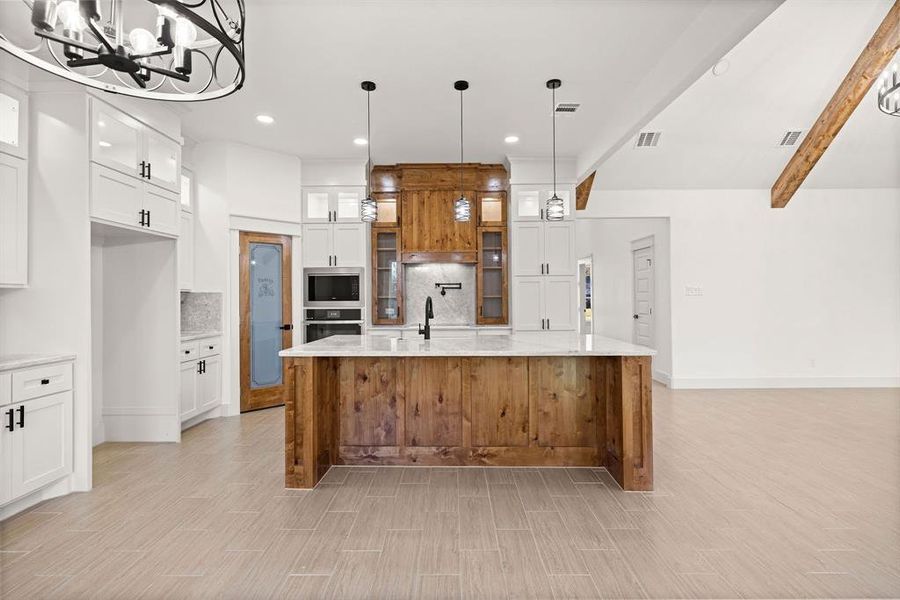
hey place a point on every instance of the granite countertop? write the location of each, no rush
(520, 344)
(23, 361)
(190, 336)
(436, 327)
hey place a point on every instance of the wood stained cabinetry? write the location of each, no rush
(415, 204)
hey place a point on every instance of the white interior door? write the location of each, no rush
(642, 315)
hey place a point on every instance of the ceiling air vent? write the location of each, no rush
(790, 138)
(648, 139)
(567, 107)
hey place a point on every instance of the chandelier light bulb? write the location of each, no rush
(185, 33)
(44, 14)
(141, 40)
(70, 17)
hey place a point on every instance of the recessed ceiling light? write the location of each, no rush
(265, 119)
(104, 144)
(720, 67)
(360, 141)
(511, 139)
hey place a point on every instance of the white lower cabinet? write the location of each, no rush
(125, 200)
(36, 432)
(543, 303)
(201, 377)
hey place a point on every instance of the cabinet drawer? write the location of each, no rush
(210, 346)
(41, 381)
(189, 351)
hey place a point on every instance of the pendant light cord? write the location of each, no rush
(553, 109)
(461, 193)
(369, 143)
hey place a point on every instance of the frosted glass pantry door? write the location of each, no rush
(265, 315)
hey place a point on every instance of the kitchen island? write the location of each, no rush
(540, 399)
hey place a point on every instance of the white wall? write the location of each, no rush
(608, 241)
(98, 435)
(808, 295)
(238, 181)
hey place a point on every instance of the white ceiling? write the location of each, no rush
(723, 132)
(624, 60)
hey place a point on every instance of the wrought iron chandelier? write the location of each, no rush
(176, 50)
(889, 90)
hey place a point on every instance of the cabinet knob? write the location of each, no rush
(45, 381)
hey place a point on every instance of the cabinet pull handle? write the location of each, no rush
(9, 415)
(548, 268)
(329, 260)
(45, 381)
(199, 367)
(149, 176)
(548, 323)
(22, 416)
(335, 260)
(210, 347)
(143, 168)
(148, 218)
(141, 212)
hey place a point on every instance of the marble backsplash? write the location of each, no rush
(201, 311)
(456, 308)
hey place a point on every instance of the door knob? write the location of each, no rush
(635, 316)
(287, 327)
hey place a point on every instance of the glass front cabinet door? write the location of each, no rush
(388, 209)
(492, 209)
(387, 277)
(492, 276)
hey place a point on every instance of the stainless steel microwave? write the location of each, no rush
(333, 287)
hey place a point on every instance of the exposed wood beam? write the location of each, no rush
(583, 191)
(871, 62)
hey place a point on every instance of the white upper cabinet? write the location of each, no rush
(13, 120)
(316, 243)
(163, 160)
(123, 200)
(331, 205)
(187, 190)
(13, 221)
(559, 248)
(123, 143)
(528, 241)
(335, 245)
(530, 203)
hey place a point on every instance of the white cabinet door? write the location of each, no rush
(559, 303)
(559, 247)
(116, 139)
(317, 245)
(316, 205)
(188, 376)
(209, 383)
(349, 245)
(115, 197)
(345, 204)
(41, 448)
(5, 456)
(527, 205)
(13, 120)
(528, 249)
(526, 303)
(186, 251)
(13, 221)
(163, 156)
(163, 210)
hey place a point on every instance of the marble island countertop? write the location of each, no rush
(519, 344)
(22, 361)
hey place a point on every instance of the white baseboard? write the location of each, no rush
(99, 432)
(212, 413)
(53, 490)
(712, 383)
(662, 377)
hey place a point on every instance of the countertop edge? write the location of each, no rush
(25, 361)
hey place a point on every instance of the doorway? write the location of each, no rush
(642, 302)
(265, 318)
(585, 295)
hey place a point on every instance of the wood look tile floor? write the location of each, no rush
(760, 494)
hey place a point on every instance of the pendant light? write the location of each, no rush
(368, 208)
(461, 208)
(555, 206)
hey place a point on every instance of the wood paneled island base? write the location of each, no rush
(470, 410)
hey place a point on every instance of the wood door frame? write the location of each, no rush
(645, 243)
(272, 396)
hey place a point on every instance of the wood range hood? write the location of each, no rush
(425, 194)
